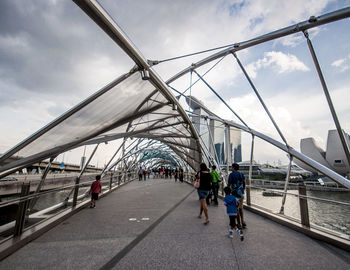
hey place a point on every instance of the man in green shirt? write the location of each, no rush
(215, 183)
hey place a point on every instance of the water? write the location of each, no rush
(325, 214)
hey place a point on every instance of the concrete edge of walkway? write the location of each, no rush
(12, 243)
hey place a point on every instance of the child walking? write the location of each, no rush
(95, 189)
(231, 202)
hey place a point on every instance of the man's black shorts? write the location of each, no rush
(94, 196)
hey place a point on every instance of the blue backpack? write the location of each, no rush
(239, 187)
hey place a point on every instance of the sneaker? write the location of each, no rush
(244, 225)
(241, 235)
(230, 235)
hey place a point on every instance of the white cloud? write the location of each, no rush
(278, 61)
(298, 116)
(343, 64)
(338, 63)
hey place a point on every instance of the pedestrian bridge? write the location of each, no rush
(153, 224)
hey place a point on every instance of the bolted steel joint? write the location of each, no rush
(312, 19)
(145, 74)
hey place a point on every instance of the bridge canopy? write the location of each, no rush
(130, 106)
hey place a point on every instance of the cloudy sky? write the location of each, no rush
(52, 56)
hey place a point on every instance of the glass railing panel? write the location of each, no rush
(331, 210)
(50, 201)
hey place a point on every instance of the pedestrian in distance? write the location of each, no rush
(176, 174)
(181, 175)
(203, 190)
(232, 202)
(140, 172)
(95, 189)
(144, 174)
(236, 181)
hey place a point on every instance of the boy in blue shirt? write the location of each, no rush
(231, 202)
(236, 181)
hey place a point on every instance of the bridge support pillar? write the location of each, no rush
(304, 212)
(22, 208)
(111, 181)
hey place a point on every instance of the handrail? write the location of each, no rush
(42, 193)
(301, 196)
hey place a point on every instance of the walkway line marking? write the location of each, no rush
(109, 265)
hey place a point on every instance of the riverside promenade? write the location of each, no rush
(153, 224)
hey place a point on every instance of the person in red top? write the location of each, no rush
(95, 189)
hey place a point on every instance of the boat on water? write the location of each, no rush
(271, 193)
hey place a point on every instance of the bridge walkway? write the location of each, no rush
(153, 224)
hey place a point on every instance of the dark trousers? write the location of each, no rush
(215, 192)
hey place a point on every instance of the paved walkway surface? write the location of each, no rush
(153, 224)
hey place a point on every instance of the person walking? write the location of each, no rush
(203, 190)
(215, 187)
(148, 172)
(231, 202)
(144, 174)
(176, 174)
(181, 175)
(140, 172)
(95, 189)
(236, 181)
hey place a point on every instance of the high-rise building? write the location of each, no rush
(223, 143)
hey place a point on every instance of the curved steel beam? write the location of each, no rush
(317, 166)
(64, 116)
(95, 11)
(299, 27)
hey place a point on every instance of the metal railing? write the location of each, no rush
(301, 207)
(313, 212)
(56, 200)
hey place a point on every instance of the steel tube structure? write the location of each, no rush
(55, 151)
(299, 27)
(250, 169)
(64, 116)
(308, 161)
(43, 177)
(109, 162)
(328, 97)
(286, 184)
(223, 101)
(260, 98)
(93, 9)
(212, 145)
(76, 188)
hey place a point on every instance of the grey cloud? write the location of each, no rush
(49, 40)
